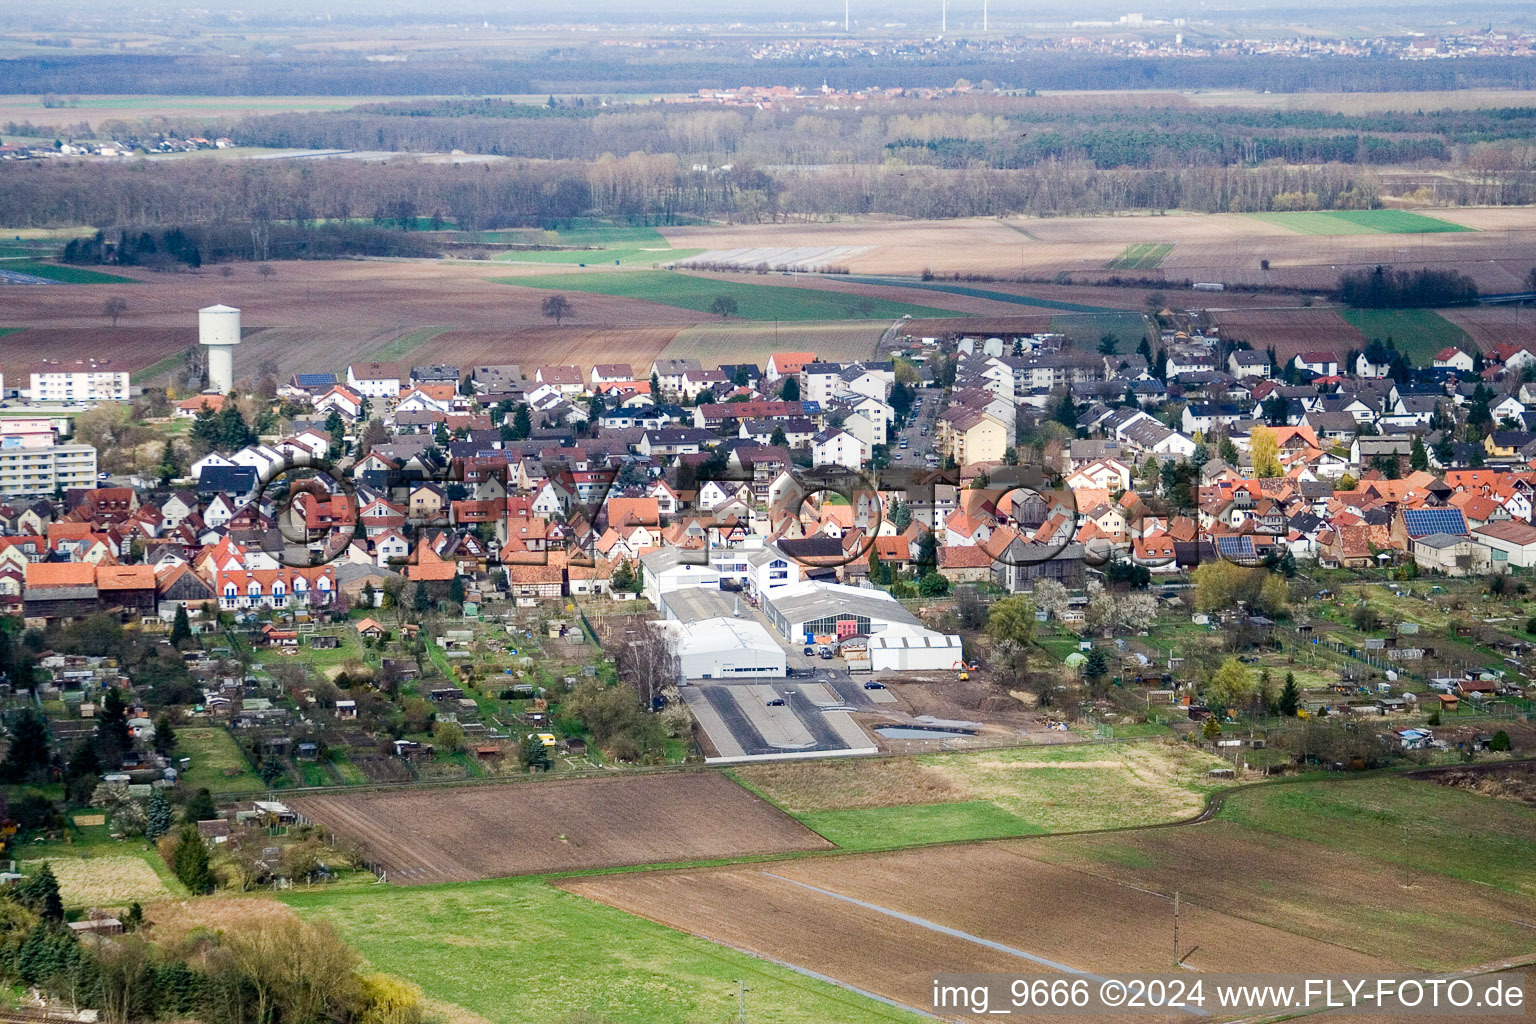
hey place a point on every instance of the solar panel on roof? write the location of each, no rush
(1420, 522)
(1236, 547)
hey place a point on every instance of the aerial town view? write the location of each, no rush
(658, 513)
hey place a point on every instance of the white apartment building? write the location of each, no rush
(43, 471)
(79, 386)
(374, 380)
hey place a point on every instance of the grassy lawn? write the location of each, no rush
(1360, 222)
(95, 869)
(217, 762)
(1430, 827)
(1417, 333)
(66, 274)
(754, 301)
(882, 804)
(523, 951)
(891, 828)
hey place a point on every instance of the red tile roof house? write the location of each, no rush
(964, 563)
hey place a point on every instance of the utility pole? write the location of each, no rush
(984, 22)
(741, 1001)
(845, 15)
(1175, 929)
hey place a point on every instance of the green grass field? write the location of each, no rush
(1141, 256)
(599, 244)
(1417, 333)
(217, 763)
(1360, 222)
(63, 273)
(947, 797)
(754, 301)
(1085, 329)
(1430, 827)
(891, 828)
(590, 232)
(524, 952)
(605, 257)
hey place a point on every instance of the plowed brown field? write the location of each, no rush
(464, 833)
(1494, 325)
(1250, 901)
(1206, 247)
(318, 316)
(1290, 331)
(532, 347)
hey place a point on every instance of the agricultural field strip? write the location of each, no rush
(982, 293)
(775, 258)
(601, 823)
(1360, 222)
(1141, 256)
(934, 926)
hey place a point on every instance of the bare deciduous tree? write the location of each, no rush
(557, 308)
(646, 659)
(114, 307)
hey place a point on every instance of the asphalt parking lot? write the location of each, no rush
(801, 716)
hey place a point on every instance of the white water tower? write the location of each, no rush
(218, 328)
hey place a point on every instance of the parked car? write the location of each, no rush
(809, 650)
(872, 685)
(824, 651)
(776, 702)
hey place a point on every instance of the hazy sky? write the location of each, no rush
(1356, 17)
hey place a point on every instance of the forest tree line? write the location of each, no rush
(223, 202)
(984, 131)
(598, 69)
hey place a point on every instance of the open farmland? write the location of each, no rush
(1086, 329)
(754, 301)
(533, 347)
(1141, 256)
(1289, 331)
(309, 316)
(460, 834)
(1272, 885)
(97, 109)
(1487, 326)
(523, 952)
(1357, 222)
(1206, 247)
(41, 349)
(1418, 333)
(882, 804)
(887, 923)
(716, 343)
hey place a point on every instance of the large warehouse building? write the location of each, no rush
(716, 638)
(727, 648)
(814, 612)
